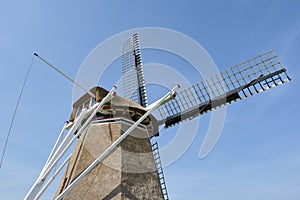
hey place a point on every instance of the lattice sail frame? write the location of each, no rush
(239, 82)
(134, 87)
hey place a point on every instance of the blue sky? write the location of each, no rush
(258, 154)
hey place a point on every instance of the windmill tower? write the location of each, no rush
(113, 157)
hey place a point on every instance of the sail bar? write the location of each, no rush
(160, 172)
(238, 82)
(132, 72)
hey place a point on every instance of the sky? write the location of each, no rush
(258, 153)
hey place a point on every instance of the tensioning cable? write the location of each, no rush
(21, 92)
(15, 111)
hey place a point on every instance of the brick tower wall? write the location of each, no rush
(128, 173)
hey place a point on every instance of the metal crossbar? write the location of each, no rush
(238, 82)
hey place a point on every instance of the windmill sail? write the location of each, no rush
(132, 72)
(239, 82)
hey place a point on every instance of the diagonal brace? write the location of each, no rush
(112, 147)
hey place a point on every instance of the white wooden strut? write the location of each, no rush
(52, 178)
(65, 145)
(170, 95)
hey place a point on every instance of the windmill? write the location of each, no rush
(114, 158)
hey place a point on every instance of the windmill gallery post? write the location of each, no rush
(113, 157)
